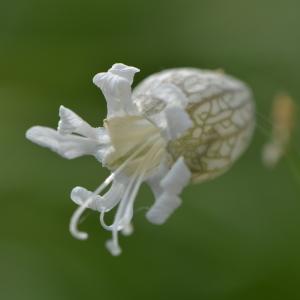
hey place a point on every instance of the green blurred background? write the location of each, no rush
(237, 237)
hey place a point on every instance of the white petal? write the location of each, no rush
(100, 203)
(122, 70)
(165, 205)
(178, 122)
(170, 94)
(177, 178)
(70, 122)
(116, 87)
(173, 120)
(102, 153)
(155, 179)
(171, 186)
(68, 146)
(79, 195)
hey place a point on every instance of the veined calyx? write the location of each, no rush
(178, 126)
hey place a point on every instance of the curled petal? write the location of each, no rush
(79, 195)
(99, 203)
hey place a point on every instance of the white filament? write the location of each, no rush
(80, 210)
(125, 209)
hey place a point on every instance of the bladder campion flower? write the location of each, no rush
(178, 126)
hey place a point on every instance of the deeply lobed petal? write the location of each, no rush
(116, 87)
(68, 146)
(73, 138)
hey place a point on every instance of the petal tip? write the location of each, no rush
(98, 78)
(34, 133)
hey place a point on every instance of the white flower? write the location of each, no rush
(131, 145)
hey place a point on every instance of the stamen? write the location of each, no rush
(113, 244)
(139, 170)
(125, 210)
(80, 210)
(112, 197)
(129, 208)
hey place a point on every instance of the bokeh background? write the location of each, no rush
(237, 237)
